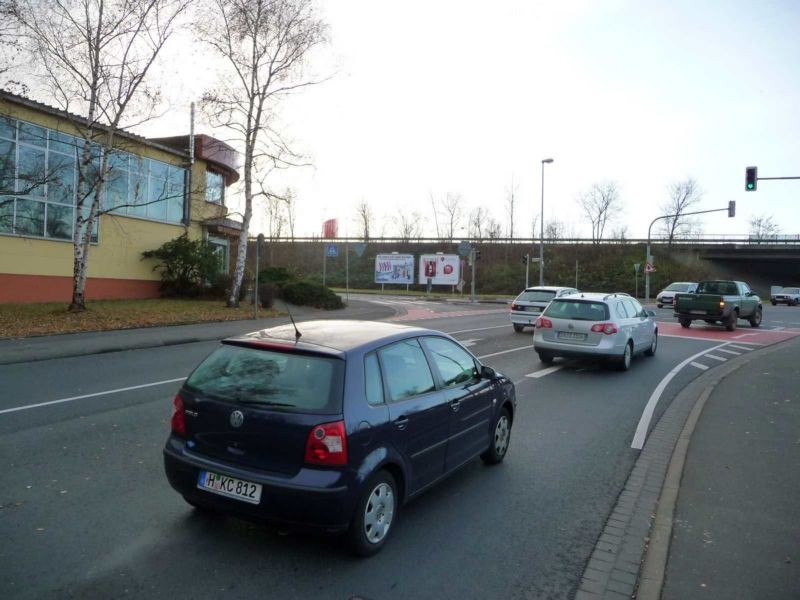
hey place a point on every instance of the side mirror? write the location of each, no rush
(488, 372)
(651, 313)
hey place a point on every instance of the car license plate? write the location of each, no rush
(230, 487)
(568, 335)
(533, 308)
(698, 312)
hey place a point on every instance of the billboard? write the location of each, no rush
(442, 269)
(394, 268)
(330, 229)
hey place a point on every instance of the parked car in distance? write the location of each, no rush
(667, 295)
(614, 327)
(527, 307)
(787, 295)
(334, 429)
(719, 301)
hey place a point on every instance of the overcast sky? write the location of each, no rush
(430, 97)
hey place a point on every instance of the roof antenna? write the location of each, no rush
(297, 334)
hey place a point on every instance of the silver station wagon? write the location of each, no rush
(527, 307)
(613, 327)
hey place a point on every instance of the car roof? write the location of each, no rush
(595, 296)
(546, 288)
(330, 336)
(683, 283)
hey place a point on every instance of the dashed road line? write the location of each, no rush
(740, 347)
(715, 357)
(729, 352)
(478, 329)
(700, 366)
(505, 352)
(543, 372)
(470, 342)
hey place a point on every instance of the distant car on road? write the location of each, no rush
(335, 429)
(787, 295)
(527, 307)
(614, 327)
(667, 295)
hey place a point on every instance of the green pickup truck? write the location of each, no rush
(722, 302)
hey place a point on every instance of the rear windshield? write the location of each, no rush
(677, 287)
(718, 287)
(790, 291)
(295, 382)
(536, 296)
(579, 310)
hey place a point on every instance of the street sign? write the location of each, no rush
(637, 266)
(360, 248)
(332, 250)
(464, 248)
(649, 268)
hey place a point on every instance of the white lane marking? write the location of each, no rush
(729, 352)
(740, 347)
(479, 329)
(470, 342)
(778, 328)
(505, 352)
(700, 366)
(117, 391)
(647, 413)
(738, 337)
(544, 372)
(704, 339)
(715, 357)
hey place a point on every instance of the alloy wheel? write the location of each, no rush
(378, 513)
(501, 435)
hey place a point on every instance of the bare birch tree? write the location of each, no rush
(555, 230)
(95, 57)
(682, 196)
(265, 44)
(763, 227)
(493, 228)
(364, 218)
(290, 199)
(477, 222)
(511, 207)
(535, 229)
(10, 46)
(601, 203)
(452, 212)
(408, 225)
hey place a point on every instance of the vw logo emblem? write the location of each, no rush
(570, 326)
(237, 418)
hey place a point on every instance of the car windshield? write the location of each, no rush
(717, 287)
(790, 291)
(536, 296)
(282, 380)
(677, 287)
(578, 310)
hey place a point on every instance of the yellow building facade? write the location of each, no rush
(157, 189)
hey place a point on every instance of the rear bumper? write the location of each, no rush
(607, 348)
(527, 319)
(708, 315)
(320, 500)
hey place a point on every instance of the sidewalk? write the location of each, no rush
(98, 342)
(736, 527)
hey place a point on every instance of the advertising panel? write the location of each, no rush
(394, 268)
(442, 269)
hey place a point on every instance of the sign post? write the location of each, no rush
(259, 245)
(473, 259)
(636, 267)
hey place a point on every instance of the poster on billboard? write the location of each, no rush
(442, 269)
(394, 268)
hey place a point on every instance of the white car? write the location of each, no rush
(667, 295)
(613, 327)
(527, 307)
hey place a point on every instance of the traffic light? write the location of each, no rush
(751, 179)
(731, 208)
(477, 254)
(524, 259)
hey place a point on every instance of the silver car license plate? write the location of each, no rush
(698, 312)
(569, 335)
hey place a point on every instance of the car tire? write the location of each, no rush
(660, 305)
(774, 303)
(686, 323)
(755, 320)
(624, 362)
(546, 357)
(371, 525)
(730, 321)
(651, 351)
(518, 328)
(501, 437)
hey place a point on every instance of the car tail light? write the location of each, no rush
(515, 307)
(178, 416)
(327, 444)
(605, 328)
(722, 303)
(543, 323)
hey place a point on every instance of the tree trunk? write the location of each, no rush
(241, 255)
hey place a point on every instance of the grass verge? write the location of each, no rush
(22, 320)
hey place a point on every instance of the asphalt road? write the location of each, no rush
(86, 512)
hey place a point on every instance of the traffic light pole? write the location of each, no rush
(472, 259)
(527, 268)
(648, 260)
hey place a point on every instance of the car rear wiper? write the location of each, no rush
(262, 402)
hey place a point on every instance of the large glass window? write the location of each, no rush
(215, 187)
(406, 370)
(455, 364)
(39, 180)
(373, 382)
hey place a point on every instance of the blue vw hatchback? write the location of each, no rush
(333, 426)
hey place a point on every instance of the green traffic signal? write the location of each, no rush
(750, 179)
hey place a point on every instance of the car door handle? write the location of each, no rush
(455, 404)
(401, 422)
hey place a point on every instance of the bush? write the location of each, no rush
(280, 276)
(308, 293)
(267, 292)
(221, 284)
(184, 264)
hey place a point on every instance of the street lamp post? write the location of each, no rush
(541, 229)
